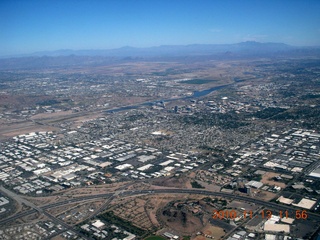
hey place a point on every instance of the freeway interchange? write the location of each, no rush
(130, 193)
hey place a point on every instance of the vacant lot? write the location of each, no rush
(267, 178)
(213, 231)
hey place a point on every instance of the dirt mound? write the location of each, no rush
(185, 217)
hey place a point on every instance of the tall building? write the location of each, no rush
(248, 189)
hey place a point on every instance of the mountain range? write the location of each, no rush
(249, 47)
(67, 58)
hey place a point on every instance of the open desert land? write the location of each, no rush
(122, 68)
(219, 72)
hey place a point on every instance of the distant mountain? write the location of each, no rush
(70, 58)
(175, 50)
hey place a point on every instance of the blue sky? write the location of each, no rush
(27, 26)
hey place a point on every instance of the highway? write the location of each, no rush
(130, 193)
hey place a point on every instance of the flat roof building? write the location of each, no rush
(254, 184)
(305, 203)
(271, 227)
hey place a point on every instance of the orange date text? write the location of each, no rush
(264, 214)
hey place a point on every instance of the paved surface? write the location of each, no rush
(275, 207)
(35, 209)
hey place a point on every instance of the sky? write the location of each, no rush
(28, 26)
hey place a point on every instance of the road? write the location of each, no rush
(129, 193)
(19, 199)
(36, 209)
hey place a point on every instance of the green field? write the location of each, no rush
(197, 81)
(155, 238)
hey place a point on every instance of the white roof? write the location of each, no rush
(315, 173)
(276, 227)
(255, 184)
(166, 163)
(168, 169)
(98, 224)
(287, 220)
(144, 158)
(145, 167)
(270, 237)
(105, 164)
(305, 203)
(123, 166)
(285, 200)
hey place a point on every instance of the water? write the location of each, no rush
(196, 94)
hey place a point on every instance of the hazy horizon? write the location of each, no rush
(134, 47)
(36, 26)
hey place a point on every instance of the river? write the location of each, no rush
(196, 94)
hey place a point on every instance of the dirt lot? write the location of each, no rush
(181, 182)
(269, 175)
(213, 231)
(265, 195)
(210, 187)
(58, 238)
(238, 205)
